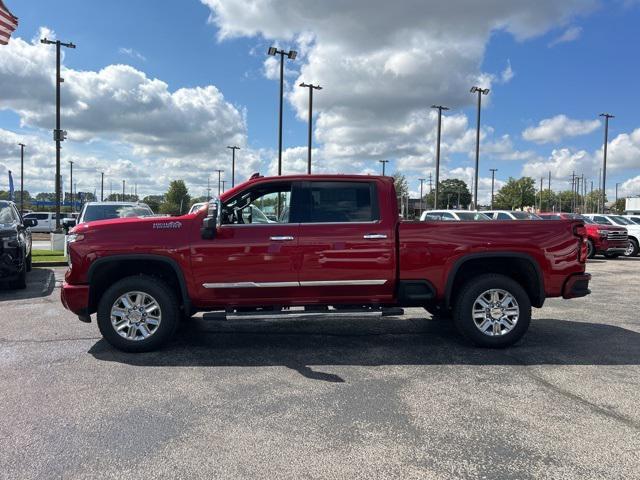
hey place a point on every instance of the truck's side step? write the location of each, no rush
(306, 312)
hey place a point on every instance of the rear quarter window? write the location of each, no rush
(340, 202)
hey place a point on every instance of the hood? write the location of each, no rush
(7, 229)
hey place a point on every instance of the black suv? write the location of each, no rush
(15, 245)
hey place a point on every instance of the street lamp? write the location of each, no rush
(606, 116)
(384, 163)
(440, 109)
(291, 55)
(311, 89)
(219, 180)
(58, 134)
(493, 178)
(233, 164)
(422, 180)
(480, 92)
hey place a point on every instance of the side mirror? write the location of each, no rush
(30, 222)
(210, 223)
(69, 222)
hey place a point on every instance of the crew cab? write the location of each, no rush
(15, 245)
(608, 240)
(337, 241)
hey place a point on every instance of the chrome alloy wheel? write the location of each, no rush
(629, 251)
(495, 312)
(135, 315)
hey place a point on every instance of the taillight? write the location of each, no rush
(581, 232)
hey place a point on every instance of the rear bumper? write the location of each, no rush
(576, 286)
(75, 298)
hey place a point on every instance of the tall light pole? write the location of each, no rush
(22, 145)
(493, 179)
(480, 92)
(311, 89)
(291, 55)
(219, 180)
(123, 183)
(384, 163)
(618, 183)
(422, 180)
(606, 116)
(102, 186)
(440, 108)
(71, 184)
(223, 183)
(233, 164)
(58, 134)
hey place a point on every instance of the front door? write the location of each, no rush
(253, 258)
(348, 251)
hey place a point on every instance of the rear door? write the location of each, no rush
(347, 249)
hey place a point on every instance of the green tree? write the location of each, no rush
(401, 184)
(516, 193)
(549, 200)
(594, 200)
(117, 197)
(448, 191)
(619, 206)
(177, 199)
(154, 201)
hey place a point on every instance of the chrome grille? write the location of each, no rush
(617, 235)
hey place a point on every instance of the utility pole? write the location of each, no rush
(311, 89)
(440, 108)
(102, 186)
(480, 92)
(422, 180)
(616, 192)
(71, 184)
(208, 187)
(123, 182)
(606, 116)
(493, 179)
(291, 55)
(383, 162)
(58, 134)
(573, 191)
(22, 145)
(233, 164)
(541, 180)
(219, 179)
(223, 184)
(591, 197)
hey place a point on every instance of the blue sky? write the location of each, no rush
(358, 118)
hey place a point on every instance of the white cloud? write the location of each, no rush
(507, 74)
(571, 34)
(553, 130)
(130, 52)
(630, 187)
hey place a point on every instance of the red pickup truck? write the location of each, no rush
(608, 240)
(315, 241)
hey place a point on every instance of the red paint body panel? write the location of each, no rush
(601, 244)
(318, 253)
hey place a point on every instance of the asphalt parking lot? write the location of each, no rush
(337, 398)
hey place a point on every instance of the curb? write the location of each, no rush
(50, 264)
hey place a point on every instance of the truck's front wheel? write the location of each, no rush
(492, 311)
(138, 314)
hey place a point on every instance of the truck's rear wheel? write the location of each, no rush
(138, 314)
(591, 249)
(492, 311)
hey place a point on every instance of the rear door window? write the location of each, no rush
(503, 216)
(340, 202)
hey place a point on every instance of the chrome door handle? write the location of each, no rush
(374, 236)
(281, 239)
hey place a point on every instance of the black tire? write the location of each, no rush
(161, 293)
(20, 283)
(29, 262)
(463, 310)
(438, 312)
(591, 249)
(612, 256)
(633, 248)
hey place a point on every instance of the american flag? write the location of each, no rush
(8, 23)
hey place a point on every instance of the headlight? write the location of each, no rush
(603, 233)
(74, 237)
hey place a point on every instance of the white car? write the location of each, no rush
(93, 211)
(632, 228)
(634, 218)
(511, 215)
(453, 215)
(46, 221)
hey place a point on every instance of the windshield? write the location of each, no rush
(106, 212)
(472, 216)
(6, 214)
(620, 220)
(525, 216)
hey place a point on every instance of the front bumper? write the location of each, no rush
(75, 298)
(11, 263)
(577, 285)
